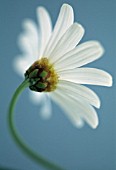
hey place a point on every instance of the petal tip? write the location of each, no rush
(79, 124)
(26, 22)
(98, 105)
(40, 9)
(101, 49)
(110, 81)
(95, 125)
(65, 5)
(68, 7)
(79, 27)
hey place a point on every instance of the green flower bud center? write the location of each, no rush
(42, 76)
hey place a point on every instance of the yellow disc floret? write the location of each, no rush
(42, 76)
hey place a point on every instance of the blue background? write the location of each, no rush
(57, 139)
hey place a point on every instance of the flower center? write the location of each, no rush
(42, 76)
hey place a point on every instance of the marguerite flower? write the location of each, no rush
(53, 62)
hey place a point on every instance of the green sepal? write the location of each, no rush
(34, 80)
(33, 73)
(41, 85)
(43, 74)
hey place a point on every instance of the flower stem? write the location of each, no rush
(4, 168)
(18, 139)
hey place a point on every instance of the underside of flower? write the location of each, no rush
(59, 66)
(42, 76)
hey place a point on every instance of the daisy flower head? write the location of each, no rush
(52, 61)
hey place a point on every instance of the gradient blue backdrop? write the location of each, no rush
(57, 139)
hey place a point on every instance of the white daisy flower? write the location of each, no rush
(56, 59)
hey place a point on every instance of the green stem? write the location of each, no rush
(18, 139)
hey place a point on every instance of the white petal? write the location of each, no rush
(80, 91)
(80, 108)
(29, 43)
(64, 21)
(36, 97)
(87, 76)
(81, 55)
(67, 42)
(44, 21)
(30, 27)
(28, 47)
(43, 100)
(69, 111)
(46, 109)
(29, 40)
(21, 64)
